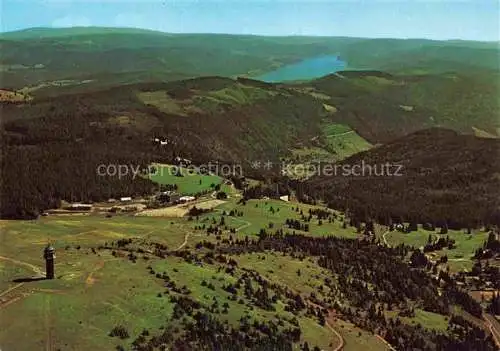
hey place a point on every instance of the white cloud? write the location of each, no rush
(72, 21)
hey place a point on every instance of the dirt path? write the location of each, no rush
(34, 268)
(385, 239)
(17, 296)
(184, 243)
(11, 289)
(90, 279)
(341, 342)
(49, 342)
(344, 133)
(385, 342)
(186, 237)
(458, 259)
(11, 301)
(494, 326)
(247, 224)
(327, 324)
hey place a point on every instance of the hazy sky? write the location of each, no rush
(437, 19)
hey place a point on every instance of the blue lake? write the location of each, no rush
(304, 70)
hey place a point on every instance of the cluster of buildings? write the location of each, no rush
(172, 198)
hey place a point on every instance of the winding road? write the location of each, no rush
(327, 324)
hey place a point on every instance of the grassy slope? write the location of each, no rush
(227, 120)
(258, 214)
(190, 183)
(77, 314)
(284, 270)
(429, 320)
(459, 258)
(93, 293)
(108, 306)
(30, 237)
(343, 141)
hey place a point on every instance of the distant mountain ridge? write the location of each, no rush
(34, 56)
(49, 32)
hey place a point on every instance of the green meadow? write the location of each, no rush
(429, 320)
(272, 215)
(188, 181)
(459, 258)
(96, 290)
(343, 141)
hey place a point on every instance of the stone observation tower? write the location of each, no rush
(49, 253)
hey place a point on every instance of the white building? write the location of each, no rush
(187, 198)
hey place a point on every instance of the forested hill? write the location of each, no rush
(382, 106)
(443, 177)
(46, 137)
(52, 146)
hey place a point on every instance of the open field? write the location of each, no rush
(13, 96)
(426, 319)
(303, 276)
(189, 183)
(357, 339)
(28, 238)
(260, 213)
(343, 141)
(459, 258)
(336, 142)
(180, 210)
(95, 291)
(71, 313)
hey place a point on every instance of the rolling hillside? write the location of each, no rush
(215, 118)
(382, 106)
(441, 176)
